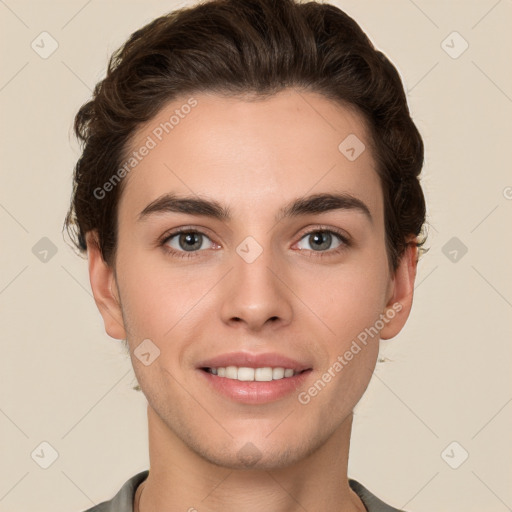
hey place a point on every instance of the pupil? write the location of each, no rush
(188, 243)
(322, 235)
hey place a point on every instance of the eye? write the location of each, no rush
(185, 241)
(321, 240)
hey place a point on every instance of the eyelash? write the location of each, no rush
(345, 242)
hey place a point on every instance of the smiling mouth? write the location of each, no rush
(246, 374)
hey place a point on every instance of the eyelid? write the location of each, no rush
(330, 229)
(183, 229)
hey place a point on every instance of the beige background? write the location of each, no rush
(64, 381)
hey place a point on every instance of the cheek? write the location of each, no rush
(351, 300)
(157, 297)
(350, 310)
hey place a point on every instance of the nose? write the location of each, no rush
(256, 294)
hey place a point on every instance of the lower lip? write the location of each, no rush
(255, 392)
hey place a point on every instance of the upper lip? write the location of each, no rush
(248, 360)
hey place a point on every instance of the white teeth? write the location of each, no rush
(261, 374)
(244, 373)
(277, 373)
(231, 372)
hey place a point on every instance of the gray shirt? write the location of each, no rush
(123, 500)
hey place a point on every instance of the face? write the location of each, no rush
(281, 254)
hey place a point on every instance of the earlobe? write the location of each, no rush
(402, 291)
(104, 289)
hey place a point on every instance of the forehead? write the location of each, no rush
(242, 152)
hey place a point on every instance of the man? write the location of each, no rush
(248, 198)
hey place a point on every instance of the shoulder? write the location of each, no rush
(370, 501)
(123, 500)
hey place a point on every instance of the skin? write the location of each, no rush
(253, 157)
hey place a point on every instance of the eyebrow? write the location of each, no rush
(309, 205)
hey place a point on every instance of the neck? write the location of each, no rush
(182, 479)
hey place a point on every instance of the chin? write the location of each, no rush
(256, 455)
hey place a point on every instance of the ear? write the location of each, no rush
(104, 289)
(401, 292)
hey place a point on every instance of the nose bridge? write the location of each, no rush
(255, 293)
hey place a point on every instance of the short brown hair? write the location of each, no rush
(236, 48)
